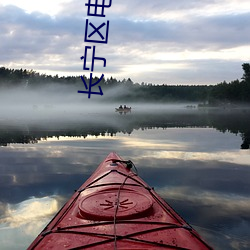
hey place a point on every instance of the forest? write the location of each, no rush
(224, 93)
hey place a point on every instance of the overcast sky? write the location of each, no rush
(153, 41)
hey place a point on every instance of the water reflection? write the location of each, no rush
(20, 222)
(110, 123)
(195, 166)
(31, 210)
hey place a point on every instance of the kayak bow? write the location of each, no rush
(116, 209)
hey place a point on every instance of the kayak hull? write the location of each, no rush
(116, 209)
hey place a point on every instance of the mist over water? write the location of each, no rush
(48, 102)
(56, 110)
(63, 103)
(53, 138)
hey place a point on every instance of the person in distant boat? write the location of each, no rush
(125, 106)
(120, 107)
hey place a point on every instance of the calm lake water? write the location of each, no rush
(197, 160)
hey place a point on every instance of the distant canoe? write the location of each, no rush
(126, 110)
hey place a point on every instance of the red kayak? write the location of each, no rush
(116, 209)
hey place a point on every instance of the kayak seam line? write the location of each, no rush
(99, 178)
(110, 184)
(120, 222)
(114, 170)
(166, 208)
(173, 212)
(62, 230)
(44, 233)
(128, 237)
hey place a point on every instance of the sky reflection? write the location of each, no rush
(32, 209)
(23, 220)
(199, 171)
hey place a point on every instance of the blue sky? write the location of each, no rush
(159, 42)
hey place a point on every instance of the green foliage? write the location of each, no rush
(222, 93)
(234, 92)
(246, 75)
(31, 78)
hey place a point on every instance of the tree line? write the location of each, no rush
(236, 91)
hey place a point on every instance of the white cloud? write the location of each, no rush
(158, 42)
(45, 6)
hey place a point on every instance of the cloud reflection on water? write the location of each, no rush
(207, 184)
(234, 156)
(29, 211)
(226, 216)
(21, 222)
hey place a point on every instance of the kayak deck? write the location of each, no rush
(116, 209)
